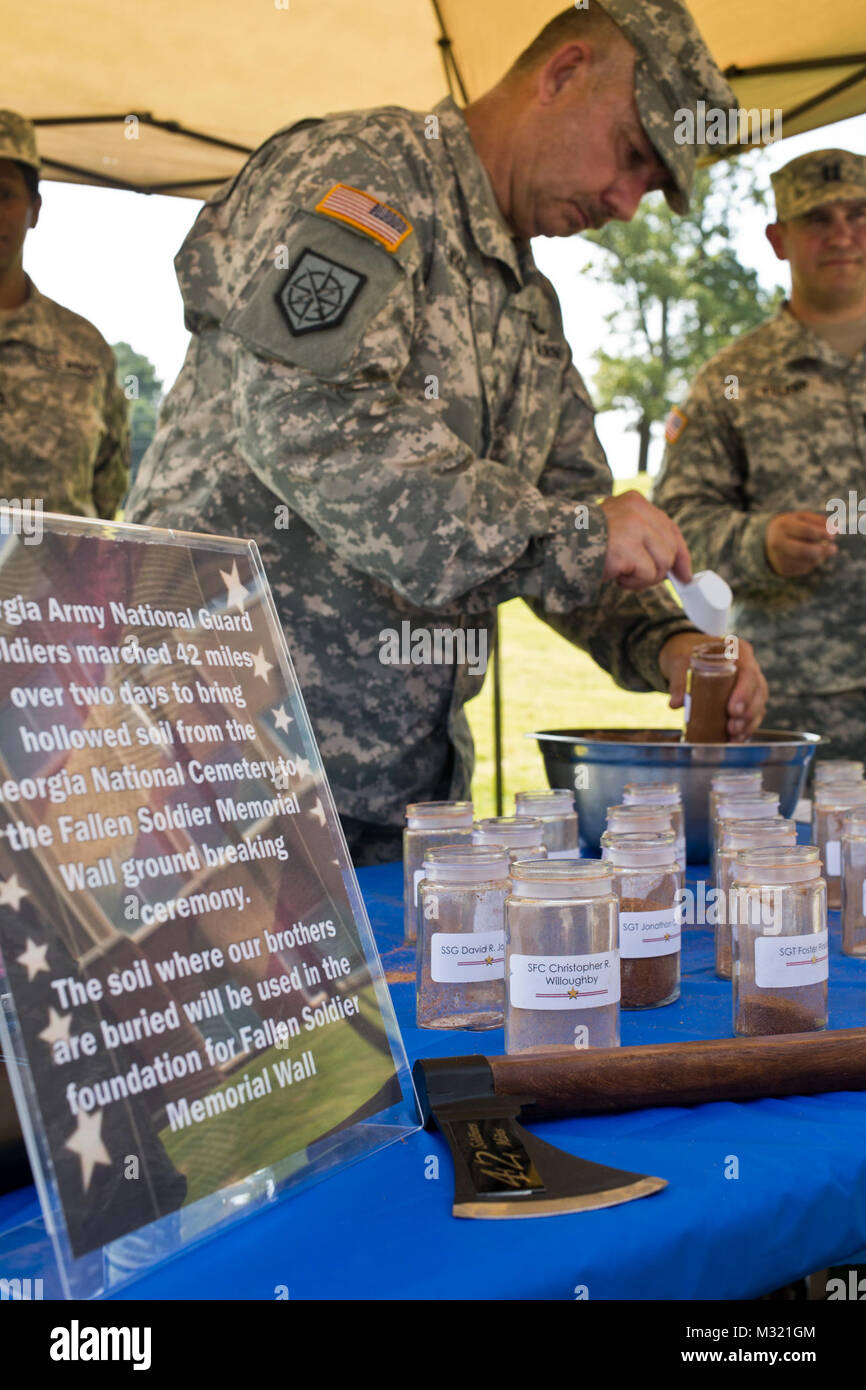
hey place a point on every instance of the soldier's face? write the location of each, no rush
(583, 158)
(827, 250)
(18, 213)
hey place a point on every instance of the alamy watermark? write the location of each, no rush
(22, 516)
(847, 516)
(736, 125)
(443, 646)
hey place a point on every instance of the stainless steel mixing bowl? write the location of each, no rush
(612, 757)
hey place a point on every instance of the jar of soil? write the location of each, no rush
(648, 882)
(736, 836)
(667, 794)
(780, 941)
(832, 801)
(428, 824)
(562, 960)
(521, 836)
(555, 809)
(733, 784)
(460, 966)
(711, 679)
(853, 883)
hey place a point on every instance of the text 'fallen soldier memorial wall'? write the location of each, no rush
(194, 986)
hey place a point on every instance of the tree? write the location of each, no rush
(143, 389)
(684, 292)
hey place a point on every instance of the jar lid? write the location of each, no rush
(755, 806)
(753, 834)
(508, 830)
(837, 769)
(639, 817)
(633, 849)
(439, 815)
(652, 793)
(466, 863)
(561, 878)
(553, 801)
(777, 864)
(854, 824)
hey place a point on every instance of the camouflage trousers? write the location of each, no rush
(841, 719)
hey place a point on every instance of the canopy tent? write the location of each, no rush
(170, 98)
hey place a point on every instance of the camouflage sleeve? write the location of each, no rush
(111, 470)
(703, 486)
(326, 421)
(624, 632)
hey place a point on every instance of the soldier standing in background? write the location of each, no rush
(379, 392)
(64, 437)
(768, 448)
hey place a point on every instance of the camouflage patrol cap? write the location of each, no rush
(18, 139)
(825, 176)
(674, 71)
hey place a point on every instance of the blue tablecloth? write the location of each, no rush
(383, 1228)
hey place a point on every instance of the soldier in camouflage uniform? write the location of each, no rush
(379, 392)
(768, 447)
(64, 437)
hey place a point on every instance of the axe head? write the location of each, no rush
(500, 1169)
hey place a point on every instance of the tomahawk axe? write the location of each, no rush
(501, 1170)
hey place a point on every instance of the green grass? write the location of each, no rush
(573, 692)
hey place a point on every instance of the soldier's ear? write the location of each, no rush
(35, 209)
(776, 238)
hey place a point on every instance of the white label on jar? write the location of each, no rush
(563, 854)
(783, 962)
(864, 897)
(687, 706)
(832, 858)
(564, 982)
(419, 874)
(644, 934)
(464, 958)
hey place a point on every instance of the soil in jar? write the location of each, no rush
(649, 981)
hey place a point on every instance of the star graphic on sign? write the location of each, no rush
(260, 665)
(87, 1143)
(303, 766)
(488, 960)
(572, 994)
(318, 811)
(11, 893)
(237, 593)
(57, 1029)
(33, 959)
(281, 719)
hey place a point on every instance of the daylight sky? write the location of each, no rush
(108, 255)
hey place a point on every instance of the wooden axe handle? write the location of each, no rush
(596, 1080)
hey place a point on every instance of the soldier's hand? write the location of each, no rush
(798, 542)
(642, 543)
(748, 697)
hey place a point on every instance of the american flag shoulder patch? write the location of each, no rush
(674, 425)
(385, 224)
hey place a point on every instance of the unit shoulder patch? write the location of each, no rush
(675, 424)
(318, 293)
(364, 212)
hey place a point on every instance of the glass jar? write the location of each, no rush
(522, 836)
(562, 961)
(735, 836)
(711, 678)
(853, 883)
(428, 823)
(661, 794)
(640, 819)
(460, 965)
(838, 770)
(648, 882)
(832, 800)
(555, 809)
(779, 902)
(756, 806)
(733, 784)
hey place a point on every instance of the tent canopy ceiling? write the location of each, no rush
(208, 82)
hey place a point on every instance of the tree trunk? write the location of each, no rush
(643, 434)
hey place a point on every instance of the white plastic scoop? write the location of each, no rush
(707, 601)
